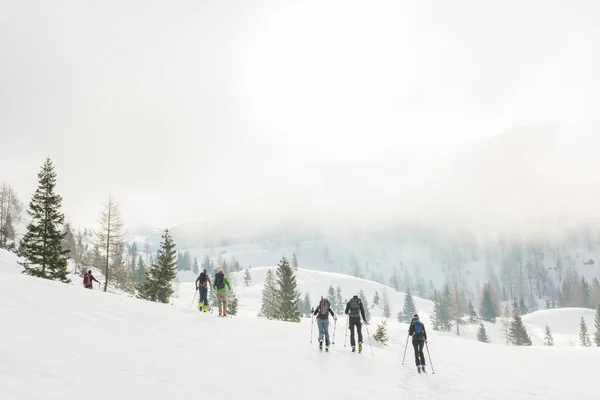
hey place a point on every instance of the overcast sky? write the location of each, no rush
(194, 110)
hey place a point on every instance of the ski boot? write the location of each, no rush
(360, 347)
(206, 308)
(320, 345)
(200, 305)
(423, 368)
(353, 349)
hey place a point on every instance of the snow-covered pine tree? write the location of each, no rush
(597, 326)
(517, 333)
(473, 318)
(548, 339)
(267, 308)
(381, 333)
(158, 281)
(286, 293)
(584, 335)
(488, 309)
(109, 237)
(482, 334)
(41, 246)
(306, 305)
(445, 313)
(232, 304)
(68, 242)
(409, 309)
(363, 299)
(140, 271)
(522, 307)
(376, 299)
(11, 210)
(294, 262)
(195, 267)
(435, 314)
(340, 301)
(387, 311)
(331, 296)
(247, 278)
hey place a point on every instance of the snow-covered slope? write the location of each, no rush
(64, 342)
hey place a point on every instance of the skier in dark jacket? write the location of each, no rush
(355, 309)
(88, 280)
(322, 311)
(419, 338)
(202, 285)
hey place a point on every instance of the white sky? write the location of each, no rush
(203, 109)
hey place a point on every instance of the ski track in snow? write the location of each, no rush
(64, 342)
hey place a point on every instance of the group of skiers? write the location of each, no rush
(202, 284)
(354, 311)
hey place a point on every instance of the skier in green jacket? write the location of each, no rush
(219, 287)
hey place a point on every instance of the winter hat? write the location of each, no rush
(89, 271)
(416, 315)
(205, 270)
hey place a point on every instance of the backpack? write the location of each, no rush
(202, 278)
(418, 327)
(219, 281)
(87, 279)
(355, 307)
(324, 307)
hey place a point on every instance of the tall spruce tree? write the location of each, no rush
(306, 305)
(267, 308)
(158, 281)
(294, 262)
(387, 310)
(286, 293)
(140, 270)
(11, 210)
(232, 304)
(376, 299)
(482, 334)
(331, 296)
(409, 309)
(340, 301)
(247, 278)
(584, 335)
(473, 318)
(597, 326)
(517, 333)
(109, 238)
(41, 246)
(363, 299)
(548, 339)
(195, 268)
(488, 309)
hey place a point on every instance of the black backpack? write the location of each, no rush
(354, 307)
(202, 278)
(219, 281)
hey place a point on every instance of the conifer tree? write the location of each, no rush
(584, 336)
(267, 308)
(409, 308)
(109, 237)
(232, 304)
(140, 270)
(387, 311)
(11, 210)
(340, 301)
(522, 307)
(247, 278)
(597, 325)
(488, 310)
(381, 333)
(68, 242)
(331, 296)
(435, 314)
(376, 299)
(195, 268)
(41, 246)
(473, 318)
(482, 334)
(445, 313)
(517, 333)
(548, 339)
(294, 262)
(307, 304)
(363, 299)
(158, 281)
(286, 293)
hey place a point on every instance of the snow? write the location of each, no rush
(65, 342)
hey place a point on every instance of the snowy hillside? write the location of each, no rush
(62, 342)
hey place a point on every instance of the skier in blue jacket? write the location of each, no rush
(419, 338)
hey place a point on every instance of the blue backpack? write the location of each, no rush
(418, 326)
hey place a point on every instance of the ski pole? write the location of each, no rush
(346, 336)
(334, 325)
(193, 298)
(432, 370)
(403, 358)
(369, 337)
(312, 323)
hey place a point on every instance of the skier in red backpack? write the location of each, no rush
(323, 310)
(88, 280)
